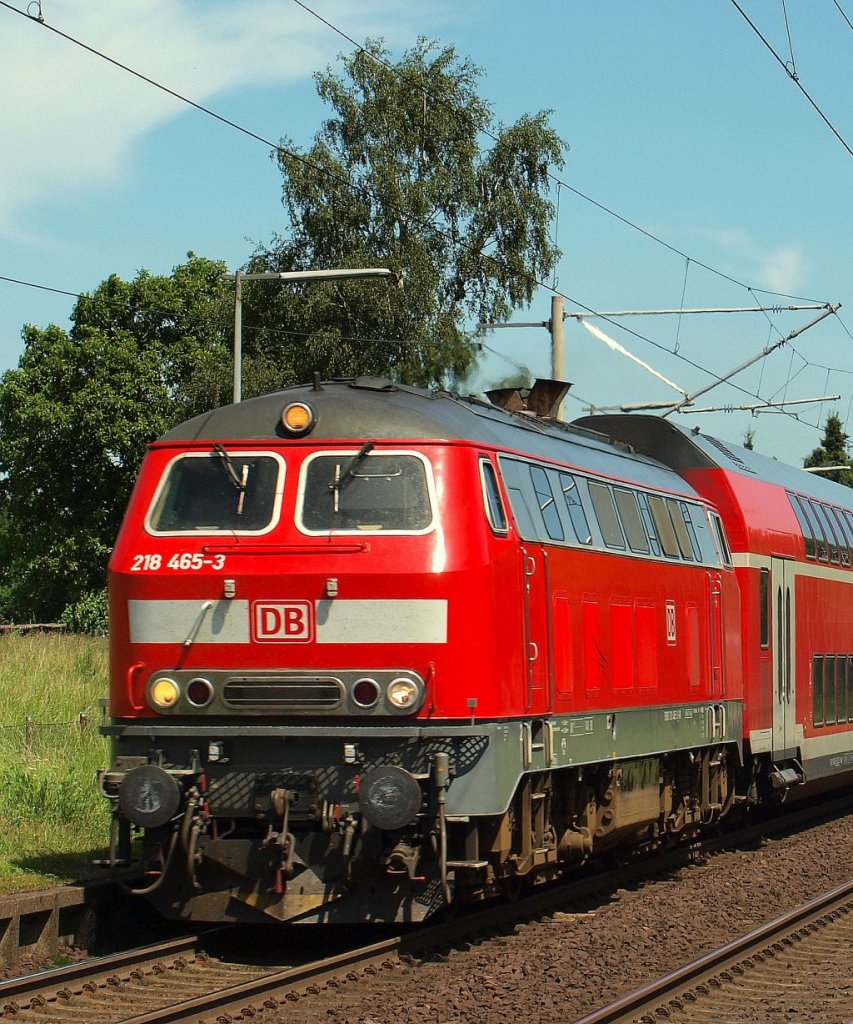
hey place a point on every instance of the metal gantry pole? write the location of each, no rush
(558, 336)
(289, 275)
(238, 337)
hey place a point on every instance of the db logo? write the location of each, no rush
(282, 621)
(670, 622)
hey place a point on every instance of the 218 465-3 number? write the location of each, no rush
(182, 562)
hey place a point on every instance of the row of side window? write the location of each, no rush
(552, 505)
(832, 689)
(827, 530)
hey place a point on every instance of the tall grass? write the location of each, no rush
(53, 822)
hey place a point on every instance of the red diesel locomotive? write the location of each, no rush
(376, 649)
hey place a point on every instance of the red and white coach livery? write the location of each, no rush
(792, 541)
(375, 649)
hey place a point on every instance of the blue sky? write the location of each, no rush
(676, 115)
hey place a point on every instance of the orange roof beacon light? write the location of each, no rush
(298, 418)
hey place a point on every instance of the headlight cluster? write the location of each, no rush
(401, 693)
(288, 693)
(164, 693)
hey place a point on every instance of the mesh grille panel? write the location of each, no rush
(284, 694)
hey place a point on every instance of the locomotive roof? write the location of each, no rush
(377, 409)
(689, 449)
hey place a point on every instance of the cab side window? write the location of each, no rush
(495, 511)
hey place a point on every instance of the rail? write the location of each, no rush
(702, 984)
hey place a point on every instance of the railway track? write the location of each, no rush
(191, 979)
(160, 982)
(798, 966)
(178, 980)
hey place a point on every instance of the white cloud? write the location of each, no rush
(69, 120)
(780, 269)
(783, 269)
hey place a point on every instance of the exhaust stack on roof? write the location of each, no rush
(542, 400)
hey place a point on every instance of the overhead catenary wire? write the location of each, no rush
(560, 184)
(689, 399)
(277, 147)
(588, 311)
(216, 322)
(557, 181)
(794, 78)
(40, 287)
(790, 42)
(139, 75)
(843, 15)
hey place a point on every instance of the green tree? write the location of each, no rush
(749, 439)
(833, 452)
(77, 414)
(396, 178)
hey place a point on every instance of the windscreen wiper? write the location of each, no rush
(239, 481)
(342, 477)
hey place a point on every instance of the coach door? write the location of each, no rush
(784, 658)
(536, 628)
(715, 622)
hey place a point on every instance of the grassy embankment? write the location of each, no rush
(53, 822)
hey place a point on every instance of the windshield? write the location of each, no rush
(222, 490)
(365, 490)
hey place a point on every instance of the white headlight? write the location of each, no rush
(402, 693)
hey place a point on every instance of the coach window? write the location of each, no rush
(681, 535)
(218, 491)
(850, 688)
(605, 513)
(817, 689)
(664, 526)
(820, 535)
(825, 522)
(648, 522)
(764, 603)
(629, 513)
(688, 511)
(547, 505)
(842, 709)
(805, 525)
(842, 532)
(573, 503)
(495, 511)
(829, 689)
(720, 537)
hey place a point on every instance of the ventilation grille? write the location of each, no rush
(741, 465)
(284, 694)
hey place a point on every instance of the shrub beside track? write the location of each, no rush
(50, 750)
